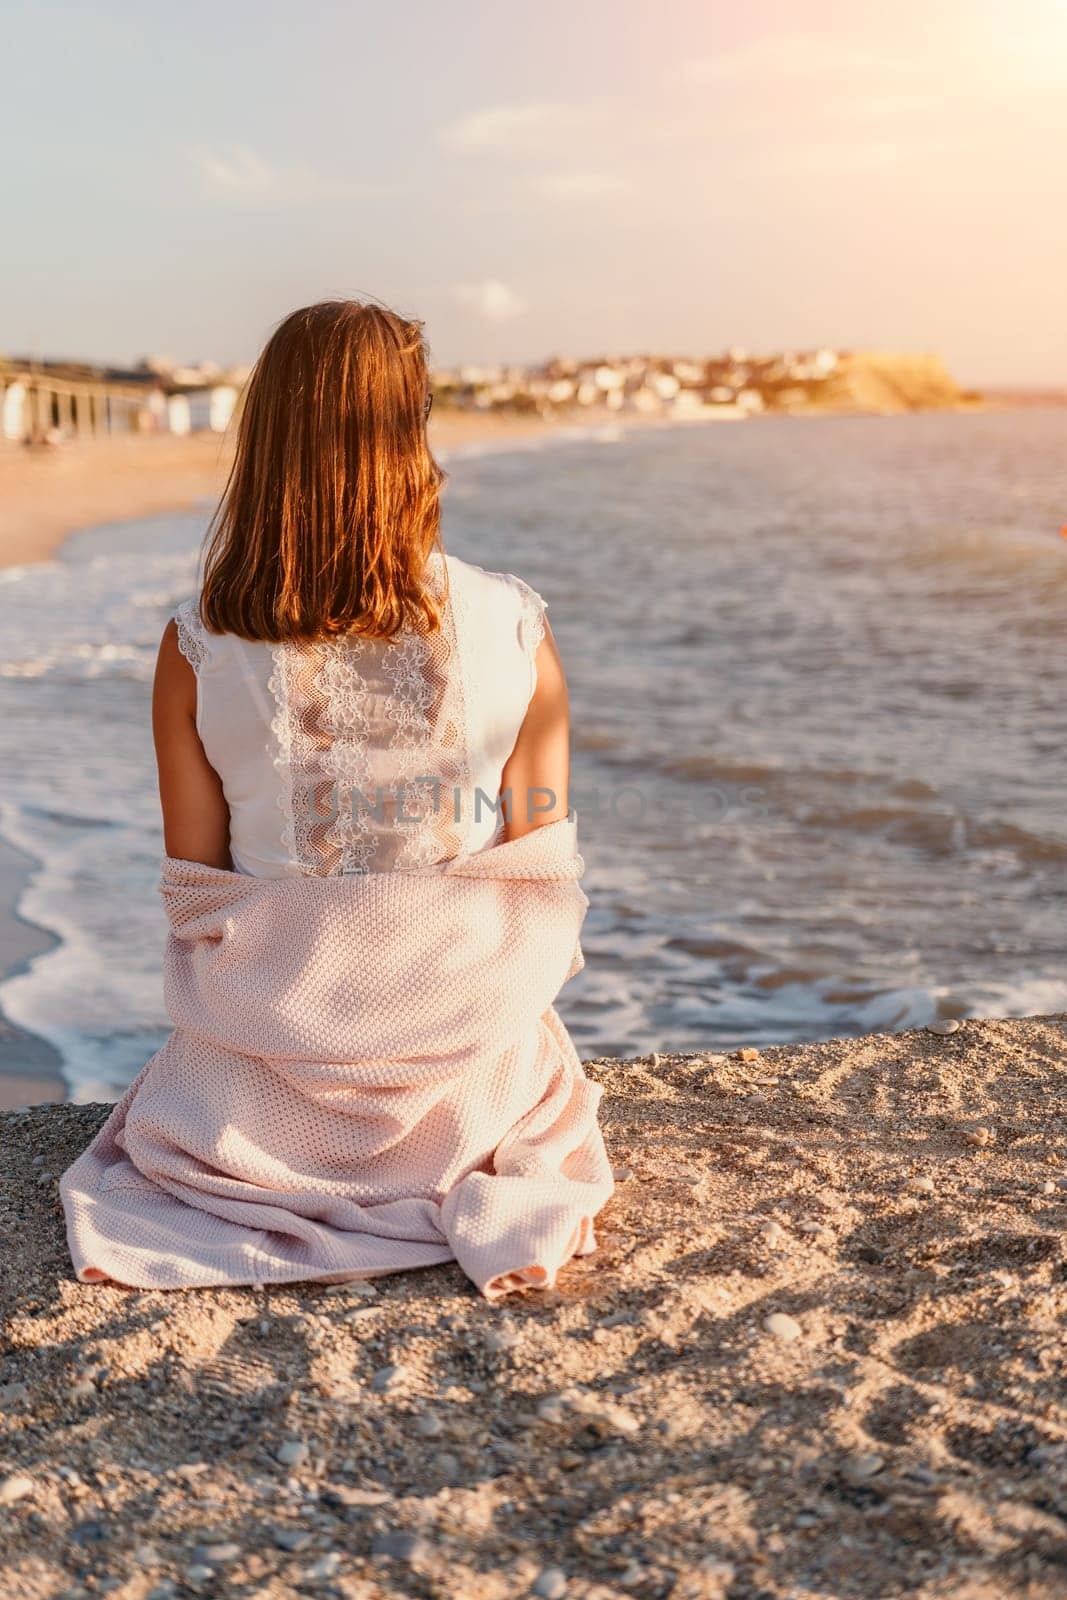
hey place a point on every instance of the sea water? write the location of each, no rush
(819, 703)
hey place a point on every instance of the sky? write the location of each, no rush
(588, 177)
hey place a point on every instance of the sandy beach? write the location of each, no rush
(47, 494)
(819, 1351)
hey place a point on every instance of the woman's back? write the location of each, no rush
(360, 754)
(367, 1072)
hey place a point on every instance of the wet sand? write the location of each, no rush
(46, 494)
(819, 1351)
(29, 1068)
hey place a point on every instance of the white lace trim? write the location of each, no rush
(531, 621)
(191, 640)
(329, 788)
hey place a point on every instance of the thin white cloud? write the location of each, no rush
(491, 299)
(789, 56)
(238, 174)
(236, 169)
(580, 185)
(515, 127)
(1016, 63)
(826, 160)
(831, 159)
(843, 106)
(886, 107)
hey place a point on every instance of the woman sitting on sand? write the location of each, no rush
(371, 876)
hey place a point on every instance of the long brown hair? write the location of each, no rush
(331, 507)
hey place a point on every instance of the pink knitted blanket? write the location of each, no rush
(366, 1074)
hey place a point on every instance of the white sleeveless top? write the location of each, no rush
(358, 755)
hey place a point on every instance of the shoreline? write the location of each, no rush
(30, 1069)
(48, 495)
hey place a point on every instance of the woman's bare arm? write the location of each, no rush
(537, 772)
(196, 818)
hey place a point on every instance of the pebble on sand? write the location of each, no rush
(553, 1408)
(857, 1469)
(17, 1487)
(948, 1025)
(500, 1340)
(341, 1494)
(550, 1584)
(291, 1539)
(293, 1453)
(214, 1555)
(387, 1378)
(357, 1286)
(401, 1546)
(782, 1326)
(979, 1137)
(325, 1567)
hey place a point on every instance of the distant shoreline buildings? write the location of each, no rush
(45, 401)
(736, 384)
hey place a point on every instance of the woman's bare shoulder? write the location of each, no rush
(175, 677)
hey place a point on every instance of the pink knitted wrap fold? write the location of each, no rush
(366, 1074)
